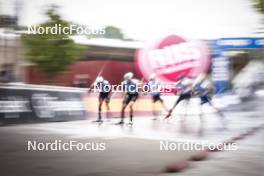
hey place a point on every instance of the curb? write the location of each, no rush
(200, 156)
(180, 166)
(177, 166)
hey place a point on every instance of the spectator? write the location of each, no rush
(7, 73)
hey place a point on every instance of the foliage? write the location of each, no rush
(51, 53)
(259, 5)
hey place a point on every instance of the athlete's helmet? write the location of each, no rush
(180, 77)
(99, 79)
(128, 76)
(152, 76)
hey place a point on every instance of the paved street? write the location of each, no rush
(248, 160)
(134, 150)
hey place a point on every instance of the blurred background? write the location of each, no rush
(229, 28)
(44, 77)
(232, 30)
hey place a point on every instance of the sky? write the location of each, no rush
(149, 19)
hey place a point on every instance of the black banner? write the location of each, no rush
(33, 104)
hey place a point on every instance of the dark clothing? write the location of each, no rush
(156, 98)
(205, 99)
(104, 96)
(130, 87)
(204, 94)
(184, 96)
(7, 76)
(103, 86)
(130, 97)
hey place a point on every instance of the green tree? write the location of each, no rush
(51, 53)
(259, 5)
(113, 32)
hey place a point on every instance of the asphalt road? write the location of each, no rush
(128, 150)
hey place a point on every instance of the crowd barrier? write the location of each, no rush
(25, 103)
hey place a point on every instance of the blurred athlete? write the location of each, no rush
(204, 88)
(184, 85)
(104, 96)
(130, 86)
(154, 88)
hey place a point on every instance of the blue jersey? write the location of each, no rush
(204, 95)
(203, 92)
(203, 88)
(130, 87)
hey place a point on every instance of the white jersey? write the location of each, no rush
(130, 86)
(154, 87)
(205, 84)
(185, 85)
(103, 86)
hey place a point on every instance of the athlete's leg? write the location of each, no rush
(216, 109)
(181, 97)
(186, 108)
(163, 105)
(107, 109)
(154, 109)
(131, 111)
(124, 105)
(155, 98)
(220, 113)
(201, 129)
(201, 113)
(100, 110)
(126, 101)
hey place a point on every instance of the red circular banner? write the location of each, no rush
(173, 57)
